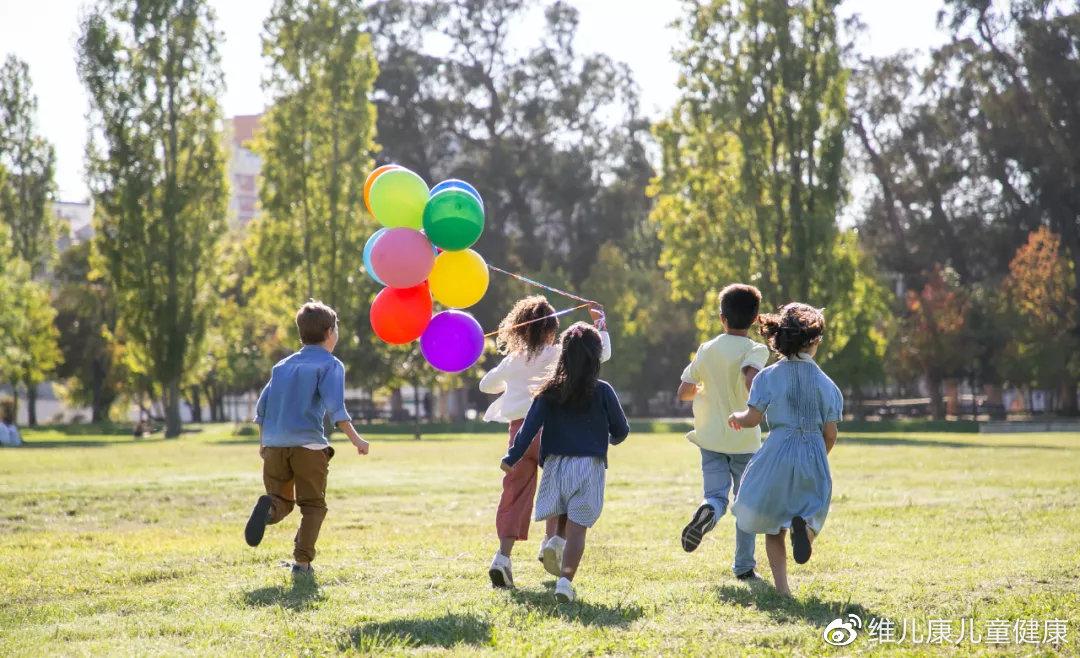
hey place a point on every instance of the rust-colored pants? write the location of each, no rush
(297, 475)
(519, 488)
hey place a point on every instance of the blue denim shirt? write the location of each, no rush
(302, 388)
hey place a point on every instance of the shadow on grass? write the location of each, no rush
(885, 441)
(303, 593)
(582, 612)
(85, 443)
(446, 631)
(788, 610)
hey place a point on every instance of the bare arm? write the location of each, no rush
(829, 432)
(745, 419)
(350, 431)
(749, 372)
(687, 391)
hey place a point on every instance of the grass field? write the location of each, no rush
(110, 547)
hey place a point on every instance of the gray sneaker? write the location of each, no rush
(298, 570)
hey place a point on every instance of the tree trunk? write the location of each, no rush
(99, 409)
(397, 406)
(31, 404)
(416, 411)
(173, 425)
(1068, 397)
(196, 405)
(15, 401)
(937, 400)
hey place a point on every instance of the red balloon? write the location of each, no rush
(400, 315)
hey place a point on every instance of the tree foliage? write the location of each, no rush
(316, 142)
(156, 171)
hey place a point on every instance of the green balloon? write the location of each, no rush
(453, 219)
(398, 198)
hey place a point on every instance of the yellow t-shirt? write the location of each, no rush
(718, 369)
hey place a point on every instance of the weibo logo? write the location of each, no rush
(840, 633)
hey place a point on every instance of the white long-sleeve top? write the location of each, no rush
(517, 377)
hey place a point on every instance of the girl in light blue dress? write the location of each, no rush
(787, 484)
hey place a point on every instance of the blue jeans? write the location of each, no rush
(723, 473)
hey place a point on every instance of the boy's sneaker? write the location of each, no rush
(696, 529)
(298, 570)
(800, 540)
(501, 573)
(748, 576)
(564, 591)
(551, 555)
(260, 516)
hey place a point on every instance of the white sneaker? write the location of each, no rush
(543, 545)
(551, 555)
(500, 571)
(564, 591)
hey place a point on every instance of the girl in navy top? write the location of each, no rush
(581, 416)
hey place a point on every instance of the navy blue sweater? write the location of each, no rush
(573, 433)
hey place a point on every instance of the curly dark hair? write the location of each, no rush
(529, 339)
(792, 330)
(574, 378)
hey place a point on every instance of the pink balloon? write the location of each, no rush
(402, 258)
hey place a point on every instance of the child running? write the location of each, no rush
(581, 416)
(787, 484)
(527, 336)
(718, 380)
(296, 455)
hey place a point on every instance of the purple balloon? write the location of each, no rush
(453, 341)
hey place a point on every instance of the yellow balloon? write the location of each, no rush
(459, 279)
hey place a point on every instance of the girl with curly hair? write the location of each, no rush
(581, 416)
(787, 485)
(527, 339)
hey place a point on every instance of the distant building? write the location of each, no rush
(244, 170)
(79, 218)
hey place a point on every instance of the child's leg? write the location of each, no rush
(744, 541)
(575, 547)
(278, 480)
(516, 502)
(311, 468)
(557, 525)
(777, 552)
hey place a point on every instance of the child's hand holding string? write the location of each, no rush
(596, 312)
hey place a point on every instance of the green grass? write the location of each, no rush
(114, 547)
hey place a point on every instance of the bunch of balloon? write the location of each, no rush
(423, 252)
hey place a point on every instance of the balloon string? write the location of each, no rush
(546, 317)
(541, 285)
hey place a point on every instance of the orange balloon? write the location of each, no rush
(371, 180)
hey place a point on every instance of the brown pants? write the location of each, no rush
(298, 475)
(514, 514)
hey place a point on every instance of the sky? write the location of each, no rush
(43, 33)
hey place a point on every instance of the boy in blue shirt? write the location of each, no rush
(296, 455)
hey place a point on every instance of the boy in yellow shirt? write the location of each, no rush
(718, 381)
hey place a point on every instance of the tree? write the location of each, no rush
(29, 161)
(1041, 300)
(26, 194)
(752, 175)
(553, 138)
(86, 315)
(934, 341)
(156, 171)
(1018, 64)
(316, 144)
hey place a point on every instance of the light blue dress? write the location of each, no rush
(789, 476)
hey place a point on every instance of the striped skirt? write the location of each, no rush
(573, 486)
